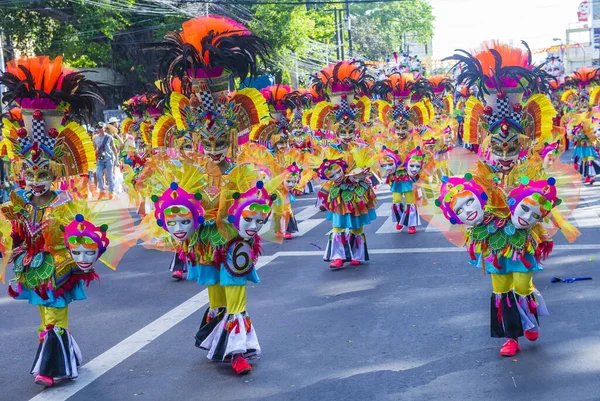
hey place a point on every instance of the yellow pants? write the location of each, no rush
(522, 283)
(408, 196)
(56, 316)
(232, 297)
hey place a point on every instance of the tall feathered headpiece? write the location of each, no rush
(210, 47)
(341, 77)
(204, 55)
(503, 74)
(39, 83)
(49, 94)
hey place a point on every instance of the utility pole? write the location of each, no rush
(349, 28)
(1, 69)
(341, 34)
(337, 37)
(297, 83)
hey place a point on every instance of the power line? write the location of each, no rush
(287, 3)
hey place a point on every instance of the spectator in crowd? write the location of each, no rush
(106, 155)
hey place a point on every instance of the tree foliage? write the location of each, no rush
(379, 28)
(290, 29)
(91, 34)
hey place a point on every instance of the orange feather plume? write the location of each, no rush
(400, 82)
(585, 74)
(511, 56)
(46, 73)
(197, 29)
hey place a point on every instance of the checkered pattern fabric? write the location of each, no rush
(503, 110)
(40, 136)
(207, 101)
(25, 143)
(344, 109)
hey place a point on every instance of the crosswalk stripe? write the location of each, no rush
(307, 225)
(307, 213)
(384, 209)
(389, 227)
(586, 217)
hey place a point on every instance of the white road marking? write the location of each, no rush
(307, 213)
(432, 229)
(388, 227)
(384, 209)
(587, 217)
(132, 344)
(307, 225)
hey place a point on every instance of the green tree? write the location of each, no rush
(378, 28)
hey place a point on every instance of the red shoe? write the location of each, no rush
(336, 264)
(44, 381)
(412, 230)
(355, 262)
(287, 236)
(399, 227)
(510, 347)
(532, 335)
(240, 365)
(587, 180)
(177, 275)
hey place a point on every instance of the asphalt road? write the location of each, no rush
(410, 325)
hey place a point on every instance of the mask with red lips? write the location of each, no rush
(250, 210)
(85, 241)
(178, 212)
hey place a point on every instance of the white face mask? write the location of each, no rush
(291, 183)
(335, 174)
(388, 167)
(217, 151)
(468, 209)
(504, 163)
(251, 223)
(84, 257)
(526, 214)
(597, 131)
(38, 188)
(180, 227)
(414, 168)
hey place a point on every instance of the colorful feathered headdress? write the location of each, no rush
(341, 77)
(503, 74)
(210, 47)
(49, 95)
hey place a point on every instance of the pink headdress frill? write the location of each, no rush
(327, 163)
(394, 155)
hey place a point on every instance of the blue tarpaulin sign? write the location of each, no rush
(259, 82)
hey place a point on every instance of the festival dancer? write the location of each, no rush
(342, 116)
(249, 206)
(205, 116)
(504, 201)
(350, 202)
(585, 155)
(50, 149)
